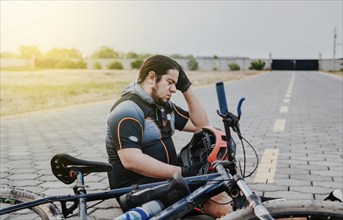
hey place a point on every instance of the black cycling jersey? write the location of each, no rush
(137, 122)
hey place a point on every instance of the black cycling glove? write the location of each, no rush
(183, 82)
(192, 170)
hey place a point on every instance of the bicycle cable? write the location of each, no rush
(243, 171)
(256, 156)
(91, 212)
(219, 203)
(93, 206)
(244, 159)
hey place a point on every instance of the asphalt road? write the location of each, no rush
(293, 120)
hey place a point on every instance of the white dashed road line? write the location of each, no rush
(279, 125)
(267, 167)
(284, 109)
(290, 86)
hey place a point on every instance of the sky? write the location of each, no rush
(255, 29)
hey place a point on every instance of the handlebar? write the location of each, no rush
(231, 121)
(221, 98)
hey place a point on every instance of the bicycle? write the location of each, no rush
(221, 173)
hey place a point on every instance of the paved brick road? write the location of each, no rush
(293, 119)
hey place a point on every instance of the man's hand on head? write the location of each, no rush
(183, 82)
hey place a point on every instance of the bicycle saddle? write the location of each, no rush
(63, 165)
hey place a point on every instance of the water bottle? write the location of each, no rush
(144, 212)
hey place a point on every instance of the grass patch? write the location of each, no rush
(38, 90)
(19, 68)
(27, 91)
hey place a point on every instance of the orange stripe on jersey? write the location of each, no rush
(180, 113)
(165, 148)
(119, 124)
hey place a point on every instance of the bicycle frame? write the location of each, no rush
(210, 185)
(88, 197)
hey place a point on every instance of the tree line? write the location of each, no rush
(29, 52)
(71, 58)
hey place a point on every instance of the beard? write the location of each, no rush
(158, 100)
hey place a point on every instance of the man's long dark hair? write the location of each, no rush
(159, 64)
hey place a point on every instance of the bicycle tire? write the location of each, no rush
(296, 210)
(12, 196)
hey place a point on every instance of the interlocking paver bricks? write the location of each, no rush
(268, 187)
(23, 176)
(58, 191)
(292, 182)
(309, 163)
(327, 173)
(288, 195)
(327, 184)
(313, 189)
(309, 167)
(22, 184)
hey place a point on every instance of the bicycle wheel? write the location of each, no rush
(12, 196)
(295, 210)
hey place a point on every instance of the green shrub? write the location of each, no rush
(63, 54)
(257, 65)
(46, 63)
(115, 65)
(65, 64)
(234, 66)
(60, 64)
(131, 55)
(136, 64)
(80, 64)
(97, 65)
(105, 52)
(192, 64)
(177, 56)
(69, 64)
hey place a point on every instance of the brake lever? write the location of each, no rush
(239, 113)
(239, 107)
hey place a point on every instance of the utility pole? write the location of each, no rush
(334, 50)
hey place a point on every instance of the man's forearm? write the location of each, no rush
(197, 113)
(133, 159)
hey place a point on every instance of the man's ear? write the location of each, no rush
(151, 76)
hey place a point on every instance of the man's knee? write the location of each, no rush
(218, 205)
